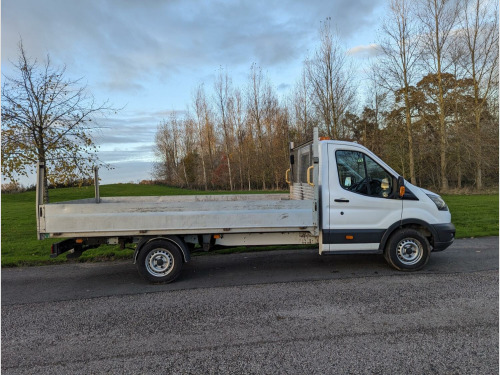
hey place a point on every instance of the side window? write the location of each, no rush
(361, 174)
(303, 164)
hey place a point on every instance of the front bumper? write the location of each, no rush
(444, 234)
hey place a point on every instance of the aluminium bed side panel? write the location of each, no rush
(133, 216)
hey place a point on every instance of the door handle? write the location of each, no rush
(341, 200)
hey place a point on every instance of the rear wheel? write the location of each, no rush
(160, 261)
(407, 250)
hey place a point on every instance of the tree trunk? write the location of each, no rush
(479, 174)
(444, 178)
(409, 134)
(229, 167)
(45, 188)
(241, 167)
(248, 172)
(459, 174)
(478, 146)
(204, 170)
(185, 174)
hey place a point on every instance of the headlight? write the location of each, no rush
(439, 202)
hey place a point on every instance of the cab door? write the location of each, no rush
(363, 202)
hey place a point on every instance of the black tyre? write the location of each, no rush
(407, 250)
(160, 261)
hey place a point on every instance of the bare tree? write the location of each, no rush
(190, 156)
(270, 120)
(223, 93)
(47, 118)
(255, 98)
(399, 61)
(331, 78)
(236, 113)
(168, 150)
(438, 18)
(302, 107)
(201, 116)
(479, 28)
(377, 97)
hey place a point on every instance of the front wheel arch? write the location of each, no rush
(419, 225)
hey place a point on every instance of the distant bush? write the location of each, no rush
(12, 188)
(155, 182)
(72, 183)
(31, 187)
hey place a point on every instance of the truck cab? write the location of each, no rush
(367, 207)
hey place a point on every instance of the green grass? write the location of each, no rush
(473, 215)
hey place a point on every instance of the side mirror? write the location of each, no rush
(401, 186)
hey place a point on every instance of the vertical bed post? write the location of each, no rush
(96, 185)
(40, 188)
(315, 155)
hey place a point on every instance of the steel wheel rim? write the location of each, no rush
(409, 251)
(159, 262)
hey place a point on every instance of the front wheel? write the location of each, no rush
(407, 250)
(159, 261)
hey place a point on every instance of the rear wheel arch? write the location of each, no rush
(177, 241)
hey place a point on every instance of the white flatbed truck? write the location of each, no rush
(342, 197)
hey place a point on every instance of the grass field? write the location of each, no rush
(473, 216)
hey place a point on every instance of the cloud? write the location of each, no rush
(128, 127)
(283, 86)
(120, 85)
(130, 42)
(370, 50)
(134, 154)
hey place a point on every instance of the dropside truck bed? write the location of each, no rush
(177, 215)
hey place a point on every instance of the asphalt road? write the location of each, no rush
(275, 312)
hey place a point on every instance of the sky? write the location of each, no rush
(147, 57)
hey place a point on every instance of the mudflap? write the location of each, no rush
(61, 247)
